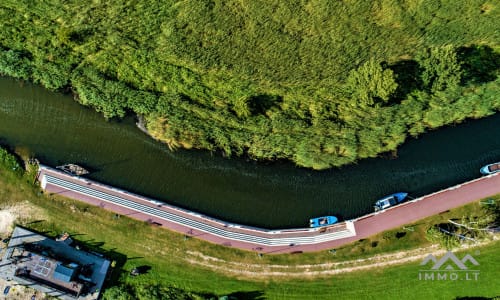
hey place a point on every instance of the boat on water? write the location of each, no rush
(73, 169)
(322, 221)
(390, 200)
(490, 169)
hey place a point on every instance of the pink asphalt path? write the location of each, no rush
(365, 226)
(94, 188)
(412, 211)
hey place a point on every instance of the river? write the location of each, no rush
(55, 129)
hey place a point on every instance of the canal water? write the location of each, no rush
(57, 130)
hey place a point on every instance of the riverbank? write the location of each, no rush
(141, 124)
(255, 239)
(201, 267)
(58, 131)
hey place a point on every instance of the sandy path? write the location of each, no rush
(318, 270)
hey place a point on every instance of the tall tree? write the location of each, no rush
(370, 83)
(440, 68)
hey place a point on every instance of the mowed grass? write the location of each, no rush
(400, 282)
(133, 243)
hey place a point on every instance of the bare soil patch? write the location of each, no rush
(19, 214)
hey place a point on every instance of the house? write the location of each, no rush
(53, 266)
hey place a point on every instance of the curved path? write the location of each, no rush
(258, 239)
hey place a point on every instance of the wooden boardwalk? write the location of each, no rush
(258, 239)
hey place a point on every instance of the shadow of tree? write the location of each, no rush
(476, 298)
(252, 295)
(400, 234)
(35, 222)
(144, 269)
(407, 74)
(480, 64)
(262, 103)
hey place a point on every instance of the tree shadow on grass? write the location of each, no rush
(252, 295)
(408, 76)
(400, 234)
(144, 269)
(35, 222)
(476, 298)
(91, 244)
(480, 64)
(262, 103)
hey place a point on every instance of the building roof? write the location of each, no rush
(63, 273)
(52, 267)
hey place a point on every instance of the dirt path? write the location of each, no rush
(317, 270)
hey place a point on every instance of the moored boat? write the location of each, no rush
(73, 169)
(390, 200)
(490, 169)
(322, 221)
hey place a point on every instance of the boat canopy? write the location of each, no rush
(322, 221)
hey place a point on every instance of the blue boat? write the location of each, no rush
(390, 200)
(322, 221)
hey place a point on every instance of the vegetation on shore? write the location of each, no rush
(319, 83)
(131, 243)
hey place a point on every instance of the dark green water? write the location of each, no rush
(57, 130)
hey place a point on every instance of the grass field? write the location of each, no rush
(319, 83)
(397, 283)
(132, 243)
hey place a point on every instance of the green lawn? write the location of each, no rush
(132, 243)
(399, 282)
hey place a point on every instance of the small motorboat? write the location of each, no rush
(322, 221)
(490, 169)
(73, 169)
(390, 200)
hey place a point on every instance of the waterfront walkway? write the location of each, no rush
(262, 240)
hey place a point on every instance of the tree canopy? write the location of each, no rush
(321, 83)
(371, 83)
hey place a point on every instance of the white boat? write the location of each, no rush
(73, 169)
(390, 200)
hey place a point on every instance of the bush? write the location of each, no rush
(434, 235)
(15, 63)
(10, 162)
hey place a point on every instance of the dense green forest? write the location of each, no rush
(321, 83)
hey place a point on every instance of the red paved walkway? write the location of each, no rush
(418, 209)
(365, 226)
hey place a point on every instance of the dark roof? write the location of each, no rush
(63, 273)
